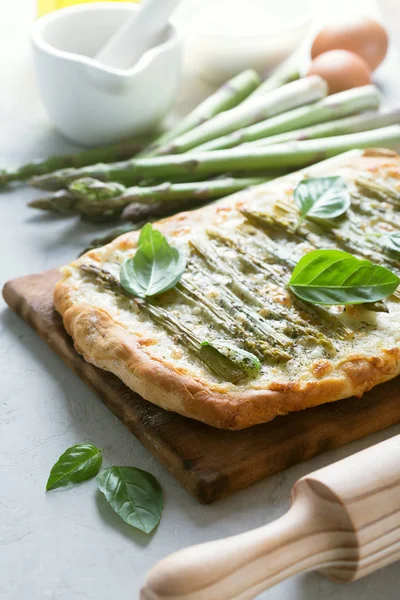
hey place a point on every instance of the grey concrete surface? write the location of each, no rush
(69, 545)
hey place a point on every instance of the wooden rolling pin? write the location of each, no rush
(344, 521)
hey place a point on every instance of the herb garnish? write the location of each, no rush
(391, 243)
(336, 277)
(321, 198)
(135, 495)
(78, 463)
(156, 266)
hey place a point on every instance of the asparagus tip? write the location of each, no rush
(46, 182)
(7, 177)
(41, 203)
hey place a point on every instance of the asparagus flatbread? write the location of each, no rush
(230, 344)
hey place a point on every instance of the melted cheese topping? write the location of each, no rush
(373, 332)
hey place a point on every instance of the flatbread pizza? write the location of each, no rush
(230, 344)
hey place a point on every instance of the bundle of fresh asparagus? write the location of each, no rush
(244, 134)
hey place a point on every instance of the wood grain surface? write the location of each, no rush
(209, 463)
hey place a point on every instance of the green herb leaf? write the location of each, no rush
(135, 495)
(246, 361)
(79, 463)
(156, 266)
(391, 243)
(336, 277)
(322, 198)
(395, 239)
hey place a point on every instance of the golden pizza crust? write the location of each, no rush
(109, 345)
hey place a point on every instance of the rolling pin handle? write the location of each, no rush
(344, 521)
(239, 567)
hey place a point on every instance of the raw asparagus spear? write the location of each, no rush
(333, 107)
(164, 192)
(97, 197)
(106, 154)
(93, 196)
(229, 95)
(353, 124)
(242, 159)
(232, 93)
(62, 198)
(277, 101)
(181, 197)
(283, 74)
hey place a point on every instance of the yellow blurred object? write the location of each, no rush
(46, 6)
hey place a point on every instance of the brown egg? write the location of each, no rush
(341, 70)
(359, 34)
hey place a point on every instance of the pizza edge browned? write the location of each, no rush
(109, 346)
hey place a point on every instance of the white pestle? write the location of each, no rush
(140, 33)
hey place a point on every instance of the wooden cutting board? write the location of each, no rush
(209, 463)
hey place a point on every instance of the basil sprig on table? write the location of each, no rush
(78, 463)
(156, 266)
(337, 277)
(135, 495)
(321, 198)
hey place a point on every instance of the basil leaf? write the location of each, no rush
(322, 198)
(336, 277)
(79, 463)
(246, 361)
(395, 239)
(391, 243)
(135, 495)
(156, 266)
